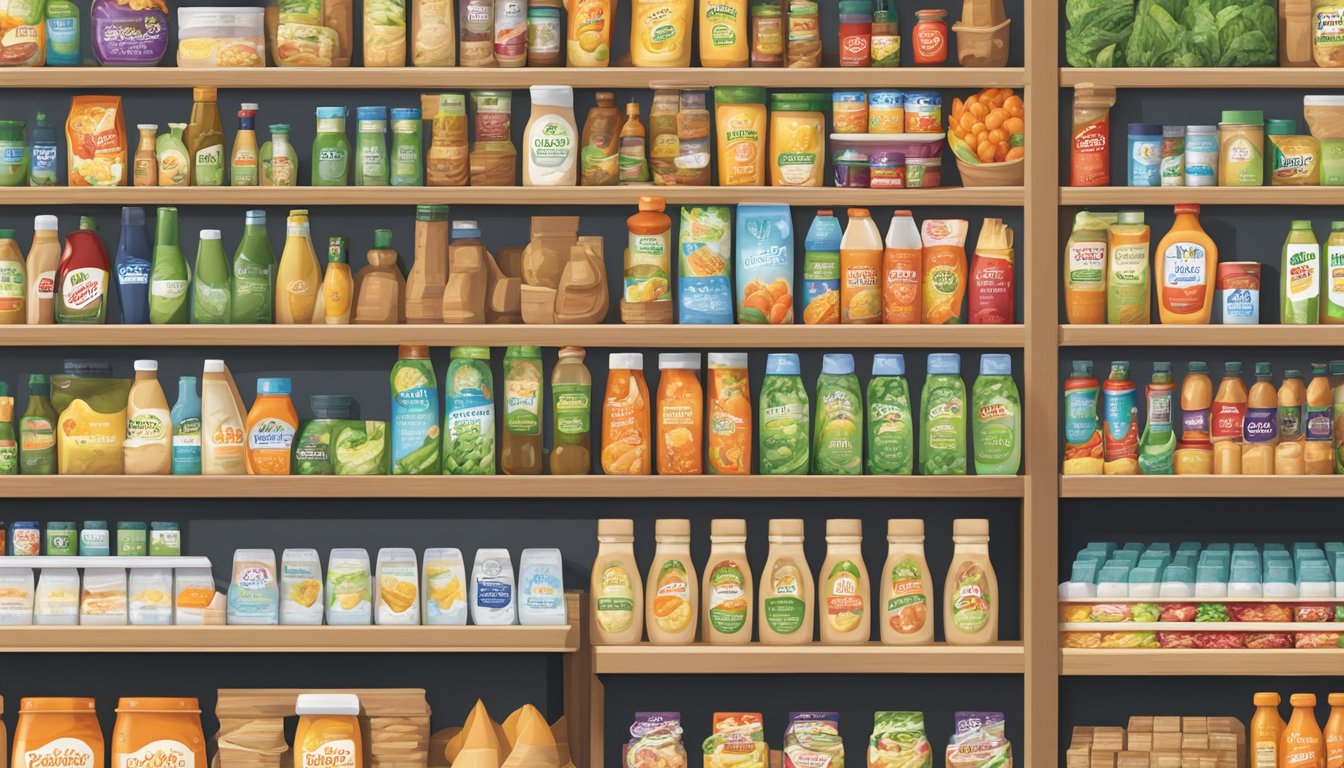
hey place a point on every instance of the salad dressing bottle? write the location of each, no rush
(149, 426)
(616, 589)
(906, 588)
(210, 294)
(846, 598)
(1266, 731)
(971, 597)
(523, 398)
(785, 425)
(785, 602)
(223, 422)
(1302, 744)
(298, 279)
(1334, 732)
(205, 139)
(243, 166)
(727, 592)
(571, 409)
(672, 588)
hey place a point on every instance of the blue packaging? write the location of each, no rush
(44, 169)
(821, 264)
(1145, 155)
(705, 257)
(764, 264)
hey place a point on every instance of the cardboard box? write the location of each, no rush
(1078, 756)
(1141, 724)
(1103, 758)
(1164, 759)
(1167, 724)
(1223, 741)
(1108, 738)
(1140, 742)
(1131, 759)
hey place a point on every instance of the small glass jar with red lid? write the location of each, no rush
(930, 37)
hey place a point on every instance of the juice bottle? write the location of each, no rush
(860, 263)
(837, 447)
(329, 734)
(1266, 731)
(1226, 421)
(991, 293)
(271, 425)
(523, 397)
(681, 414)
(785, 601)
(648, 260)
(1302, 744)
(1128, 297)
(37, 429)
(571, 414)
(13, 280)
(1083, 453)
(996, 424)
(944, 272)
(821, 269)
(891, 423)
(186, 418)
(901, 263)
(1318, 453)
(723, 33)
(205, 139)
(469, 419)
(9, 444)
(210, 284)
(729, 414)
(616, 587)
(1337, 380)
(1300, 284)
(845, 600)
(1196, 403)
(223, 422)
(1120, 422)
(625, 417)
(907, 590)
(1085, 268)
(169, 275)
(1334, 732)
(44, 256)
(298, 280)
(672, 591)
(1288, 453)
(243, 164)
(784, 421)
(726, 592)
(338, 285)
(1186, 261)
(252, 290)
(415, 413)
(1260, 427)
(942, 428)
(148, 449)
(1157, 446)
(132, 267)
(82, 277)
(1332, 276)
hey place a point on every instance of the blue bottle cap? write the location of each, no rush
(371, 113)
(944, 362)
(273, 386)
(781, 364)
(888, 365)
(837, 365)
(996, 365)
(1145, 129)
(465, 228)
(327, 113)
(405, 113)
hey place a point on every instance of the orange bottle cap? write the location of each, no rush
(652, 203)
(1192, 208)
(857, 212)
(1336, 699)
(1302, 699)
(1267, 699)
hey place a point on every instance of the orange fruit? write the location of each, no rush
(1015, 152)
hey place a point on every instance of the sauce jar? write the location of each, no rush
(930, 36)
(849, 111)
(767, 34)
(797, 139)
(1241, 148)
(856, 33)
(59, 731)
(158, 732)
(924, 112)
(886, 170)
(923, 172)
(886, 112)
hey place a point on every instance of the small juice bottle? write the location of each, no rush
(338, 287)
(1334, 733)
(1300, 284)
(1185, 261)
(1288, 454)
(1128, 297)
(625, 417)
(1302, 744)
(1266, 730)
(298, 282)
(729, 414)
(571, 414)
(860, 264)
(648, 258)
(1226, 417)
(271, 425)
(901, 262)
(681, 415)
(329, 733)
(1260, 427)
(1318, 454)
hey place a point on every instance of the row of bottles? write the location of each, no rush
(674, 606)
(1300, 742)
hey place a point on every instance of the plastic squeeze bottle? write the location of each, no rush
(1288, 453)
(785, 422)
(996, 418)
(210, 296)
(83, 277)
(821, 270)
(1318, 453)
(43, 258)
(837, 434)
(890, 419)
(1157, 447)
(902, 259)
(727, 594)
(680, 415)
(626, 437)
(1300, 279)
(1186, 261)
(1128, 297)
(1332, 302)
(338, 285)
(1302, 744)
(942, 433)
(1082, 428)
(186, 416)
(223, 422)
(1085, 268)
(1334, 732)
(860, 262)
(1225, 421)
(1260, 428)
(617, 589)
(149, 426)
(846, 596)
(37, 429)
(252, 291)
(1266, 731)
(1120, 421)
(907, 589)
(786, 588)
(673, 590)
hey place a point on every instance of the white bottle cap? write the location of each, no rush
(626, 361)
(214, 366)
(146, 365)
(47, 223)
(209, 234)
(682, 361)
(552, 96)
(327, 704)
(727, 359)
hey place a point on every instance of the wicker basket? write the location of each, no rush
(1006, 174)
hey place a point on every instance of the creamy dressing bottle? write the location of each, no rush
(906, 589)
(845, 602)
(223, 422)
(786, 588)
(672, 588)
(616, 589)
(148, 449)
(727, 590)
(971, 597)
(551, 139)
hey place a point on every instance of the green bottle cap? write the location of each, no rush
(469, 353)
(382, 239)
(338, 249)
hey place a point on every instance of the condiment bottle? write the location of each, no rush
(767, 34)
(1318, 453)
(886, 36)
(1334, 732)
(43, 258)
(523, 398)
(1196, 403)
(13, 280)
(271, 425)
(845, 600)
(148, 449)
(371, 162)
(600, 159)
(571, 409)
(672, 589)
(1302, 744)
(626, 443)
(338, 286)
(1227, 415)
(37, 429)
(551, 139)
(1288, 459)
(785, 602)
(906, 587)
(617, 591)
(861, 251)
(82, 277)
(329, 734)
(648, 265)
(169, 275)
(223, 422)
(930, 37)
(633, 160)
(9, 444)
(723, 33)
(210, 295)
(1260, 430)
(1266, 731)
(245, 164)
(145, 171)
(298, 279)
(727, 585)
(1157, 444)
(680, 414)
(971, 597)
(331, 149)
(205, 139)
(280, 166)
(1186, 260)
(856, 31)
(252, 290)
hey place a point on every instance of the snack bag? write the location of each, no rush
(23, 33)
(979, 742)
(738, 741)
(944, 272)
(765, 264)
(898, 741)
(705, 242)
(655, 741)
(812, 740)
(95, 136)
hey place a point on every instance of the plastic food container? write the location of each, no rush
(221, 37)
(923, 172)
(849, 111)
(886, 112)
(886, 170)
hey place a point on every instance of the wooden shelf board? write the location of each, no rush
(410, 196)
(1199, 335)
(608, 335)
(1238, 661)
(1202, 77)
(874, 658)
(1200, 486)
(568, 486)
(1100, 197)
(105, 561)
(459, 78)
(288, 639)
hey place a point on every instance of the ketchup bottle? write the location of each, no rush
(82, 277)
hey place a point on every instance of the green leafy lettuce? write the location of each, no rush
(1098, 31)
(1171, 33)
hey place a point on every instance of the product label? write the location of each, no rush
(1319, 422)
(337, 753)
(543, 591)
(1087, 265)
(1266, 754)
(147, 426)
(415, 421)
(672, 609)
(26, 541)
(1291, 426)
(908, 606)
(168, 289)
(83, 288)
(615, 603)
(784, 607)
(36, 433)
(271, 434)
(187, 444)
(971, 598)
(648, 265)
(551, 143)
(243, 171)
(572, 408)
(1184, 278)
(1261, 425)
(11, 286)
(63, 752)
(46, 285)
(1304, 268)
(1080, 415)
(727, 598)
(1227, 420)
(1195, 421)
(522, 406)
(333, 165)
(210, 166)
(845, 592)
(163, 753)
(133, 272)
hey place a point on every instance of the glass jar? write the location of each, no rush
(797, 139)
(930, 37)
(1241, 148)
(923, 172)
(767, 34)
(543, 36)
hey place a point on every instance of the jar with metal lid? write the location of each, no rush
(58, 730)
(543, 35)
(797, 139)
(1241, 148)
(158, 732)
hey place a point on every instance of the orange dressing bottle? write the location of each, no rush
(1334, 733)
(681, 414)
(271, 425)
(729, 414)
(626, 440)
(1266, 730)
(1186, 261)
(329, 734)
(1302, 744)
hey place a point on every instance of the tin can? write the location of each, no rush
(886, 170)
(886, 112)
(923, 172)
(924, 112)
(1238, 286)
(25, 539)
(849, 110)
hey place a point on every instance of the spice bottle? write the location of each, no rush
(856, 31)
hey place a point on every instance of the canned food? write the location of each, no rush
(923, 112)
(1238, 284)
(886, 112)
(850, 111)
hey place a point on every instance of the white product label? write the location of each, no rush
(164, 753)
(551, 149)
(1335, 274)
(1304, 269)
(1185, 266)
(1087, 264)
(83, 287)
(168, 289)
(65, 752)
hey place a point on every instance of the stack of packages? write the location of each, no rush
(398, 728)
(1161, 742)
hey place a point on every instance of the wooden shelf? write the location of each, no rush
(609, 335)
(569, 486)
(1200, 486)
(1199, 335)
(1203, 77)
(109, 561)
(459, 78)
(1099, 197)
(289, 639)
(1326, 662)
(409, 196)
(755, 659)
